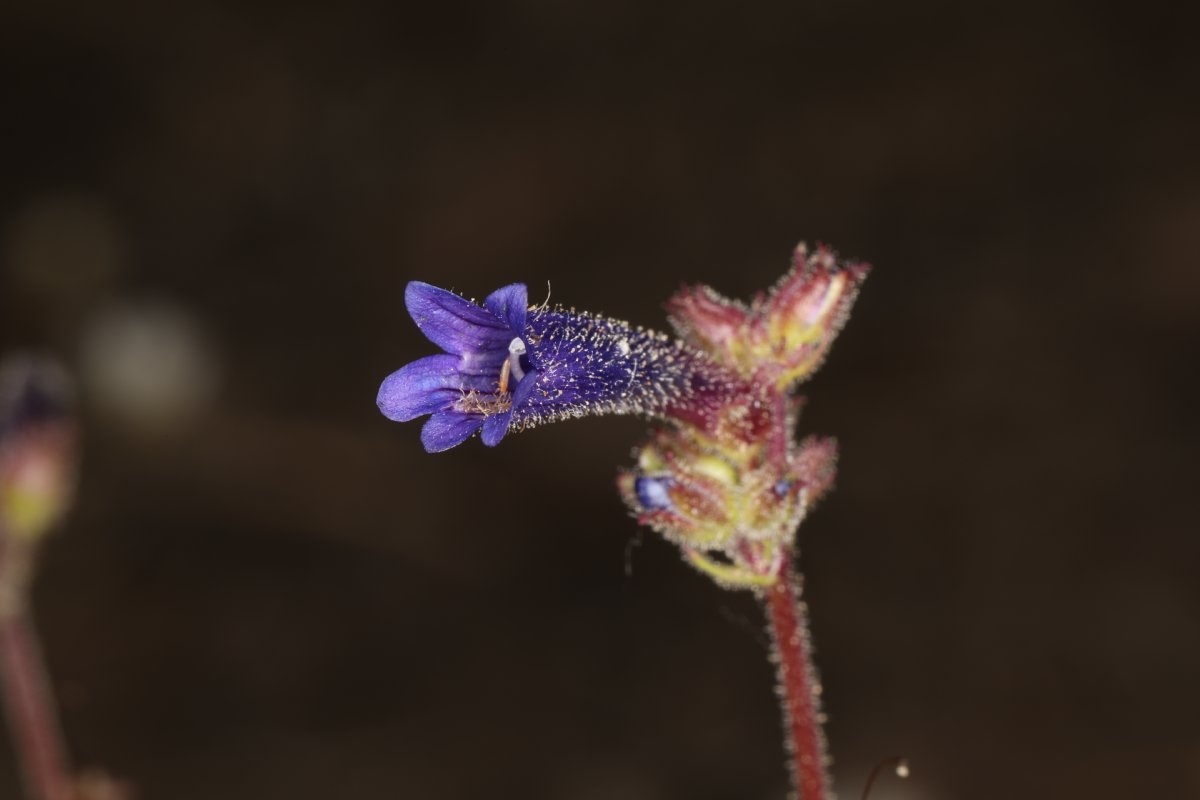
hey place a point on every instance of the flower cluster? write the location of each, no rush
(733, 511)
(733, 504)
(725, 480)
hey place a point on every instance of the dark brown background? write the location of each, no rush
(268, 591)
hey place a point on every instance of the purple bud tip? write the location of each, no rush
(652, 493)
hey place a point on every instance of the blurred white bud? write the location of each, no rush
(149, 365)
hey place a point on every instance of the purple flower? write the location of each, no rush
(507, 366)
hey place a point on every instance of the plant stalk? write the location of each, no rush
(24, 684)
(799, 688)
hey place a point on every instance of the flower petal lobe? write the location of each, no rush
(447, 429)
(494, 428)
(426, 385)
(510, 303)
(456, 325)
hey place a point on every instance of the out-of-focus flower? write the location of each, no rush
(96, 785)
(149, 366)
(508, 366)
(37, 447)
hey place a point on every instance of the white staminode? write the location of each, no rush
(516, 349)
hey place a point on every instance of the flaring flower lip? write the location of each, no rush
(463, 389)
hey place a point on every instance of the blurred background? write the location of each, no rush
(210, 210)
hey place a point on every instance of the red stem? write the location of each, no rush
(24, 684)
(31, 712)
(798, 685)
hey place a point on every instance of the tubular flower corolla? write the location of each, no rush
(506, 366)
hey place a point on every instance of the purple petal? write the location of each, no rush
(525, 388)
(447, 429)
(510, 304)
(454, 324)
(494, 428)
(422, 387)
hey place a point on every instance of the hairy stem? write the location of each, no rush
(798, 685)
(28, 701)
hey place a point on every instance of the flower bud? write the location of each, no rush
(732, 508)
(781, 337)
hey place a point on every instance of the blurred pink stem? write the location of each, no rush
(28, 701)
(798, 686)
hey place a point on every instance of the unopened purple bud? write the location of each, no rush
(653, 493)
